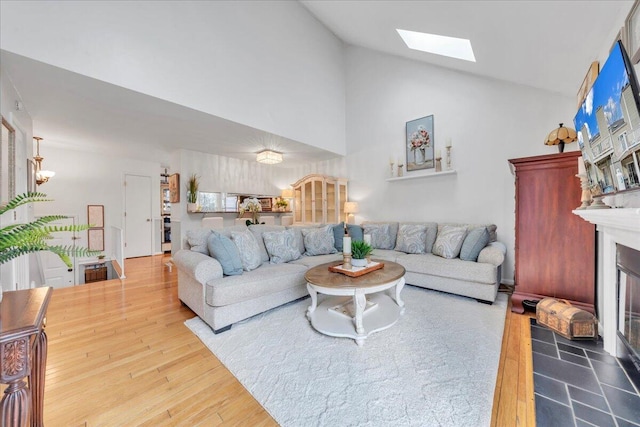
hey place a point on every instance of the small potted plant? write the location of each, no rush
(360, 252)
(192, 193)
(282, 205)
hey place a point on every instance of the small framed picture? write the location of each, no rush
(95, 216)
(419, 144)
(96, 239)
(174, 188)
(265, 203)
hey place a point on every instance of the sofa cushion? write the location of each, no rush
(475, 241)
(266, 280)
(248, 248)
(319, 241)
(197, 240)
(383, 234)
(257, 231)
(281, 246)
(449, 241)
(355, 232)
(437, 266)
(226, 252)
(312, 261)
(412, 238)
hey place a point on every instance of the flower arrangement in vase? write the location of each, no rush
(420, 140)
(253, 206)
(360, 252)
(282, 204)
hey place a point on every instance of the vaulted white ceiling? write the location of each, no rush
(544, 44)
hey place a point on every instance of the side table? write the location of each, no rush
(23, 354)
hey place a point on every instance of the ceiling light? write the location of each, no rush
(269, 157)
(440, 45)
(41, 176)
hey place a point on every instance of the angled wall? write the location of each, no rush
(268, 65)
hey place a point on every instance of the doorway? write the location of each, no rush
(137, 216)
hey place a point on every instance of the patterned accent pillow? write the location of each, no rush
(475, 241)
(380, 235)
(248, 248)
(412, 238)
(319, 241)
(281, 245)
(449, 241)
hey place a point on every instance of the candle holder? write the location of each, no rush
(400, 166)
(391, 167)
(346, 261)
(585, 198)
(438, 164)
(448, 158)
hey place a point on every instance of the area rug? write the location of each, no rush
(436, 366)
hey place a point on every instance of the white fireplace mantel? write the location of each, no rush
(616, 226)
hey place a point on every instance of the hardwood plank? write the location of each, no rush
(120, 354)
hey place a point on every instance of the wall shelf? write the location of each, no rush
(422, 175)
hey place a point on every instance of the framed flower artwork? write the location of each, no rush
(419, 144)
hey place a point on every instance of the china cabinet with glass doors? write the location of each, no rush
(320, 199)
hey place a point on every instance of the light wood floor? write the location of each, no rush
(119, 354)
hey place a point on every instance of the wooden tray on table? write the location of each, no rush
(357, 271)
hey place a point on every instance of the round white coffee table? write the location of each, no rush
(358, 306)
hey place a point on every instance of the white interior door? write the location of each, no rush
(137, 216)
(54, 271)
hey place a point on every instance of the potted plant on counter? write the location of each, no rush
(282, 205)
(192, 193)
(360, 252)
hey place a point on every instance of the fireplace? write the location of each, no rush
(617, 228)
(628, 266)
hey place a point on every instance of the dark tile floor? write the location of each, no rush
(578, 384)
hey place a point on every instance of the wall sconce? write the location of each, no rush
(269, 157)
(42, 176)
(350, 208)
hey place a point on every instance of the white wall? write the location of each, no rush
(85, 179)
(269, 65)
(488, 121)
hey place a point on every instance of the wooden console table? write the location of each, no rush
(23, 355)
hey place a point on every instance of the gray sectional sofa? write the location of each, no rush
(221, 300)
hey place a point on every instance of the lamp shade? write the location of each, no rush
(269, 157)
(350, 207)
(287, 193)
(560, 136)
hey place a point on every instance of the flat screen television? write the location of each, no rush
(608, 126)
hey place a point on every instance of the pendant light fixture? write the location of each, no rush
(42, 176)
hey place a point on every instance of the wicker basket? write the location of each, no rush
(566, 320)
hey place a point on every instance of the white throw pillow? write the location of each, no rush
(449, 241)
(281, 246)
(412, 238)
(248, 248)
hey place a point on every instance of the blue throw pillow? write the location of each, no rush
(355, 231)
(475, 241)
(226, 252)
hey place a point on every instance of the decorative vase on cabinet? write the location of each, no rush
(319, 199)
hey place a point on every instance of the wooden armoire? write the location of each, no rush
(555, 250)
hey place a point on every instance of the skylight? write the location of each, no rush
(440, 45)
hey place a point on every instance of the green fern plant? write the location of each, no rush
(21, 239)
(360, 250)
